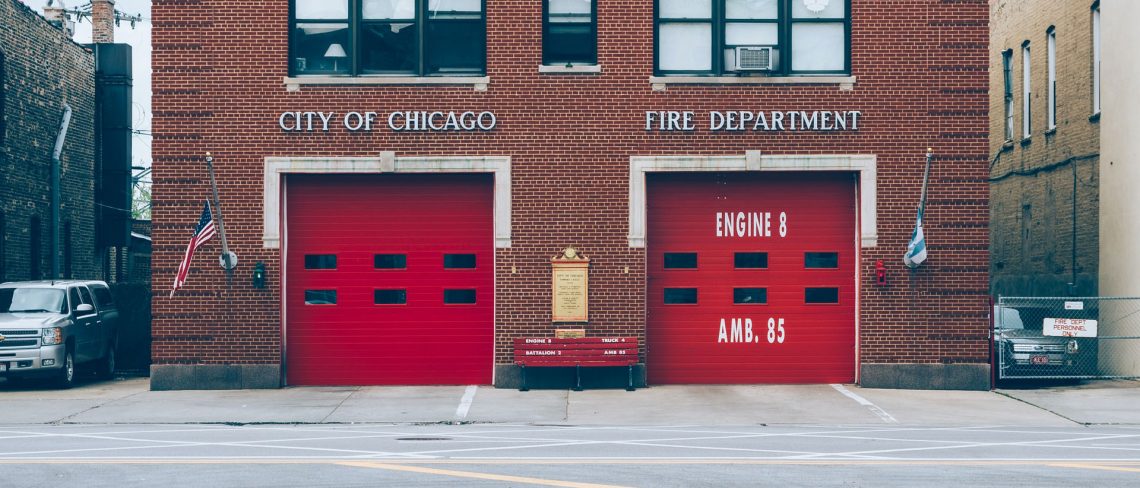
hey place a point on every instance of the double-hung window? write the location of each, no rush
(569, 32)
(1026, 92)
(1051, 86)
(1096, 57)
(1007, 75)
(397, 37)
(739, 37)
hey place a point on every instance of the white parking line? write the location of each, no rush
(465, 403)
(866, 403)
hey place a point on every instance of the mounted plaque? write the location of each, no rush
(570, 273)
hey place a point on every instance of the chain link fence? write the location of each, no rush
(1067, 338)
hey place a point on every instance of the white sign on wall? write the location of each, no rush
(1070, 328)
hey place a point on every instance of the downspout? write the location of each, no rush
(55, 190)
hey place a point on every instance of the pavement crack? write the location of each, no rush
(93, 407)
(338, 405)
(1039, 407)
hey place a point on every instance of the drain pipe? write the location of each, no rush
(55, 190)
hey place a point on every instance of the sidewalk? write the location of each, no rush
(130, 401)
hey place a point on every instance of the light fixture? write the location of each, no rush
(335, 51)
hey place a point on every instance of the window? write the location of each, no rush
(73, 295)
(701, 37)
(1051, 59)
(458, 297)
(749, 296)
(1026, 93)
(1007, 71)
(34, 251)
(320, 297)
(320, 261)
(1096, 57)
(103, 296)
(399, 37)
(680, 296)
(821, 295)
(458, 261)
(821, 260)
(85, 297)
(751, 260)
(680, 260)
(390, 261)
(390, 297)
(569, 32)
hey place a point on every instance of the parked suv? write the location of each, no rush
(47, 328)
(1022, 350)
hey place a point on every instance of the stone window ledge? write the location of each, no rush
(294, 83)
(660, 83)
(581, 69)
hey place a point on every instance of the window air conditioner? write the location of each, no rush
(755, 58)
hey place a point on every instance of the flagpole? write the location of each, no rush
(921, 204)
(217, 209)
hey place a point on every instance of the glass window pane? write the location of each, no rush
(685, 47)
(458, 297)
(390, 297)
(456, 46)
(821, 295)
(752, 9)
(579, 7)
(458, 261)
(749, 296)
(569, 43)
(388, 47)
(454, 8)
(320, 261)
(818, 47)
(680, 260)
(680, 296)
(390, 261)
(737, 34)
(821, 260)
(321, 9)
(819, 9)
(320, 297)
(685, 9)
(389, 9)
(321, 48)
(751, 260)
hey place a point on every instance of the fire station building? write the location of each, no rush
(395, 177)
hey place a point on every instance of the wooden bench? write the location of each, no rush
(589, 352)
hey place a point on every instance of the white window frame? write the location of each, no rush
(1051, 36)
(1007, 92)
(1096, 57)
(1026, 92)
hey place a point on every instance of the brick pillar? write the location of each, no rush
(102, 21)
(57, 17)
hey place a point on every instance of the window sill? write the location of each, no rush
(1007, 145)
(1026, 140)
(479, 83)
(1094, 117)
(581, 69)
(1051, 132)
(660, 83)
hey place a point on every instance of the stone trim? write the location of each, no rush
(570, 70)
(386, 162)
(660, 83)
(865, 165)
(294, 83)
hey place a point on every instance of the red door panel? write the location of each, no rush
(421, 341)
(785, 216)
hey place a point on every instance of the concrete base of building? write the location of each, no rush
(510, 376)
(926, 376)
(215, 376)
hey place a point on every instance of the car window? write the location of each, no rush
(73, 294)
(85, 296)
(1008, 318)
(31, 300)
(103, 296)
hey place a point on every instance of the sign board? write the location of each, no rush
(569, 333)
(1074, 305)
(570, 279)
(1070, 328)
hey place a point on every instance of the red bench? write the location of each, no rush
(589, 352)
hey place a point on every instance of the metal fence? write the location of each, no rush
(1067, 338)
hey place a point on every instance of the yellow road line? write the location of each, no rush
(1097, 466)
(473, 475)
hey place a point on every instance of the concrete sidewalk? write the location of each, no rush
(130, 401)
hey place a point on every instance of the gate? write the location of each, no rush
(1067, 338)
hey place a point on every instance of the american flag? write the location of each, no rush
(202, 234)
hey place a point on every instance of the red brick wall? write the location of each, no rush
(922, 82)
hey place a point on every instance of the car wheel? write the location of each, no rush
(107, 365)
(66, 378)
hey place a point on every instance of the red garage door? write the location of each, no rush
(751, 278)
(389, 280)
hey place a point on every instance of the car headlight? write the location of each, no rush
(1073, 347)
(51, 336)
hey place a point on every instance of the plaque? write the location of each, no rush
(570, 276)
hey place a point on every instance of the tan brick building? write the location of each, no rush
(1044, 184)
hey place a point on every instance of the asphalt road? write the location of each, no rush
(568, 456)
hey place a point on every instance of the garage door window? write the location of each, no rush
(821, 260)
(680, 260)
(390, 297)
(320, 297)
(320, 261)
(680, 296)
(751, 260)
(821, 295)
(459, 297)
(390, 261)
(750, 296)
(458, 261)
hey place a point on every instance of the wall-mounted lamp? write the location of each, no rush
(259, 275)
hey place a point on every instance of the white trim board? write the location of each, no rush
(864, 165)
(386, 162)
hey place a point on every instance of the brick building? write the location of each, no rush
(1045, 147)
(41, 70)
(736, 173)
